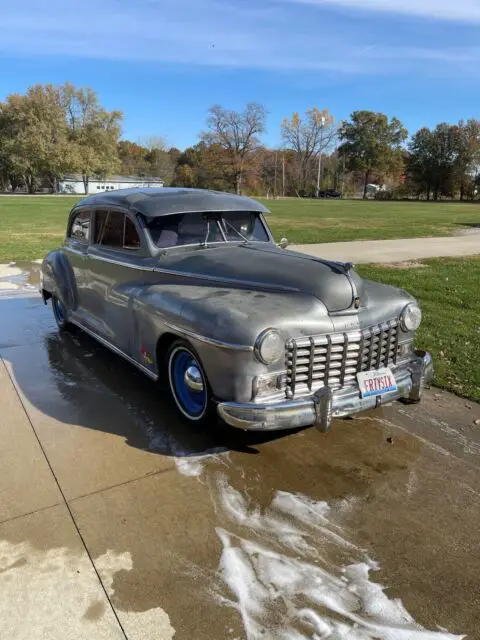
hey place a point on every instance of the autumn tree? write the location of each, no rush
(14, 167)
(34, 137)
(132, 157)
(235, 135)
(444, 160)
(372, 143)
(432, 160)
(147, 161)
(203, 167)
(307, 137)
(467, 161)
(94, 133)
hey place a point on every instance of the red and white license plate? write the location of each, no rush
(376, 383)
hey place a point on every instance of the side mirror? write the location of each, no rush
(283, 244)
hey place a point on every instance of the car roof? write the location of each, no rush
(161, 201)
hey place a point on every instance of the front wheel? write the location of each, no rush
(188, 383)
(59, 313)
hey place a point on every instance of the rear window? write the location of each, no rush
(80, 226)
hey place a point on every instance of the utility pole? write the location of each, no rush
(319, 173)
(343, 177)
(283, 174)
(275, 179)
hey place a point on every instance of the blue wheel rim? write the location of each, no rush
(58, 310)
(192, 402)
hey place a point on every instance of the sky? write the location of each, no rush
(164, 62)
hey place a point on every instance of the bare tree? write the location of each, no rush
(153, 142)
(236, 134)
(159, 161)
(308, 137)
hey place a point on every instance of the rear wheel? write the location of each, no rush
(59, 313)
(188, 383)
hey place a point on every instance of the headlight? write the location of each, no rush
(411, 317)
(269, 346)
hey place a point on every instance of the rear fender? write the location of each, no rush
(59, 279)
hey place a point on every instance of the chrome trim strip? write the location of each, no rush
(216, 343)
(115, 349)
(200, 276)
(120, 263)
(76, 251)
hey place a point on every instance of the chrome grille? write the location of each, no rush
(335, 359)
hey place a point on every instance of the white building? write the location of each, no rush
(74, 184)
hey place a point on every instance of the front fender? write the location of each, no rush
(223, 324)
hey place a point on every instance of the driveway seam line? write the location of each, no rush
(30, 513)
(66, 503)
(121, 484)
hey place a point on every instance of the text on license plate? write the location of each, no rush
(376, 383)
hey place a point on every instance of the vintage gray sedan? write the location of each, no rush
(190, 287)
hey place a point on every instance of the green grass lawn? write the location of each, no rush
(310, 221)
(31, 226)
(448, 291)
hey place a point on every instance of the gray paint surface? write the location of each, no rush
(153, 202)
(224, 293)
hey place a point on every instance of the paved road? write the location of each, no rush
(116, 521)
(364, 251)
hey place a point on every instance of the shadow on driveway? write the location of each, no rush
(71, 378)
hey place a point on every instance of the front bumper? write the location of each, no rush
(320, 408)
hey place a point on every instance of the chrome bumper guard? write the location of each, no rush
(320, 408)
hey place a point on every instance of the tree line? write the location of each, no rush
(52, 131)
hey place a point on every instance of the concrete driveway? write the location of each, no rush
(364, 251)
(116, 521)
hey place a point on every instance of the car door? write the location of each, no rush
(75, 250)
(119, 263)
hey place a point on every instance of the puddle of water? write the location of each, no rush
(18, 278)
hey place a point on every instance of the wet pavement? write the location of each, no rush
(117, 521)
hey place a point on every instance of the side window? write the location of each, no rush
(109, 229)
(115, 230)
(130, 238)
(80, 226)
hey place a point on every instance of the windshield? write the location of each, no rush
(195, 228)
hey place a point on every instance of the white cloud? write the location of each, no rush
(281, 35)
(462, 10)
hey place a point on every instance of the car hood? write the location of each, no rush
(267, 268)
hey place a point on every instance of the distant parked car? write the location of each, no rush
(329, 193)
(189, 286)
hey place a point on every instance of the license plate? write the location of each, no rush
(376, 383)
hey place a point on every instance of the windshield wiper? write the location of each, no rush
(228, 224)
(205, 240)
